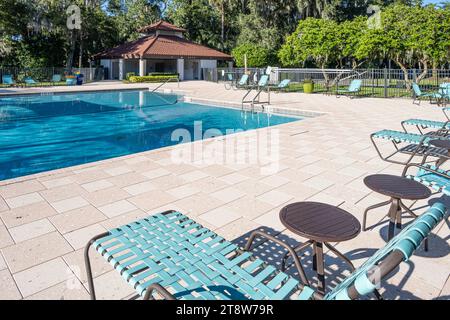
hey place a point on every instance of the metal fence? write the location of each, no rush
(46, 74)
(385, 83)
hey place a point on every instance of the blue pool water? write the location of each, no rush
(40, 133)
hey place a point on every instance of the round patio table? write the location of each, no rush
(397, 188)
(320, 223)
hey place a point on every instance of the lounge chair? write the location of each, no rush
(444, 91)
(243, 82)
(283, 85)
(418, 95)
(421, 124)
(431, 176)
(71, 81)
(411, 144)
(8, 80)
(56, 78)
(353, 89)
(30, 82)
(173, 256)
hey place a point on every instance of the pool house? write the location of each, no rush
(162, 48)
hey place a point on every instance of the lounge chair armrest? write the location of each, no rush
(291, 251)
(160, 289)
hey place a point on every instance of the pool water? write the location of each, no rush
(46, 132)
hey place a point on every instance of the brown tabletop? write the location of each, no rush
(440, 143)
(320, 222)
(397, 187)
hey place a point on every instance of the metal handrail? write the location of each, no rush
(178, 80)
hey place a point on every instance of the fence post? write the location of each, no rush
(385, 83)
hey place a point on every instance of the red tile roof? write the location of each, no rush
(162, 46)
(161, 25)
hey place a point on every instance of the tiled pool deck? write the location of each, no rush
(46, 219)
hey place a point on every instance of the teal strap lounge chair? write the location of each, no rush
(418, 95)
(56, 78)
(71, 81)
(171, 256)
(30, 81)
(431, 176)
(7, 79)
(243, 82)
(411, 144)
(422, 124)
(283, 85)
(353, 89)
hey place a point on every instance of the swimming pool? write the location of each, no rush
(46, 132)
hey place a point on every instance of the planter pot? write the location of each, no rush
(308, 87)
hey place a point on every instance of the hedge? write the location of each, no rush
(137, 79)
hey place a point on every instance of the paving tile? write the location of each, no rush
(117, 171)
(75, 261)
(24, 200)
(271, 219)
(79, 238)
(237, 228)
(58, 182)
(5, 237)
(110, 286)
(220, 216)
(105, 196)
(197, 204)
(275, 181)
(35, 251)
(228, 194)
(20, 188)
(123, 219)
(77, 219)
(117, 208)
(250, 207)
(62, 192)
(151, 200)
(193, 175)
(31, 230)
(27, 214)
(233, 178)
(140, 188)
(2, 262)
(182, 191)
(69, 204)
(3, 205)
(127, 179)
(42, 276)
(8, 288)
(71, 289)
(90, 175)
(275, 197)
(156, 173)
(97, 185)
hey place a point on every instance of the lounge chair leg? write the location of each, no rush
(87, 261)
(378, 205)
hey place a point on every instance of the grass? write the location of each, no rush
(38, 84)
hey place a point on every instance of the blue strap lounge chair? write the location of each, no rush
(353, 89)
(418, 95)
(283, 85)
(243, 82)
(170, 255)
(411, 144)
(431, 176)
(71, 81)
(7, 79)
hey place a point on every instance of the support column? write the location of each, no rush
(180, 68)
(121, 69)
(142, 67)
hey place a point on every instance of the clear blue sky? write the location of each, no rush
(433, 1)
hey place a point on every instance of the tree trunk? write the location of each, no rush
(424, 72)
(223, 24)
(80, 59)
(405, 72)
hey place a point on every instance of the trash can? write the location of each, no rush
(80, 78)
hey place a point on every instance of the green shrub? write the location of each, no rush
(138, 79)
(129, 75)
(157, 74)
